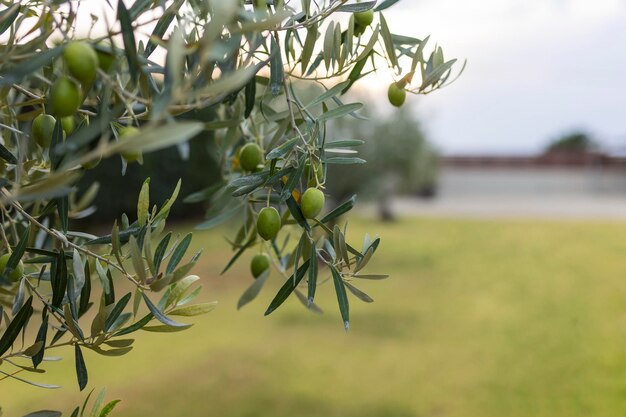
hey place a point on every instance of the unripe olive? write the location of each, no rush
(251, 155)
(396, 95)
(260, 263)
(43, 129)
(106, 60)
(81, 60)
(268, 223)
(68, 124)
(312, 202)
(17, 272)
(364, 18)
(127, 133)
(358, 29)
(65, 97)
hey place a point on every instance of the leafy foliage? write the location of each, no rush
(237, 59)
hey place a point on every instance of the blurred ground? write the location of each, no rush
(479, 318)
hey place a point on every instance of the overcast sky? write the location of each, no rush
(536, 69)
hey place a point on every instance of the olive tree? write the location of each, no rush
(70, 96)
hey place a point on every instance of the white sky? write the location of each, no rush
(536, 69)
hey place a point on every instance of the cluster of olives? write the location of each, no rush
(396, 93)
(250, 158)
(67, 94)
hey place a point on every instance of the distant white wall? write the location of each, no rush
(544, 182)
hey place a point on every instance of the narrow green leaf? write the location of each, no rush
(158, 314)
(342, 297)
(356, 7)
(135, 326)
(309, 45)
(295, 211)
(253, 290)
(135, 255)
(16, 325)
(312, 281)
(128, 35)
(143, 203)
(343, 160)
(283, 149)
(41, 337)
(330, 93)
(388, 41)
(159, 253)
(44, 413)
(17, 253)
(117, 310)
(276, 67)
(8, 16)
(358, 293)
(156, 137)
(286, 290)
(193, 310)
(29, 66)
(81, 368)
(108, 408)
(58, 279)
(178, 254)
(250, 96)
(339, 111)
(4, 152)
(385, 4)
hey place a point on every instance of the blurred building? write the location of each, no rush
(557, 173)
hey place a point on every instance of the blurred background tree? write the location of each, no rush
(400, 160)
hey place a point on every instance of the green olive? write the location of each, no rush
(68, 124)
(17, 272)
(260, 263)
(127, 133)
(65, 97)
(396, 95)
(43, 129)
(365, 18)
(251, 155)
(81, 60)
(268, 223)
(312, 202)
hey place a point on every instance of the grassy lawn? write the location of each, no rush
(479, 319)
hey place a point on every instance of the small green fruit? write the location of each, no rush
(260, 263)
(65, 97)
(364, 19)
(43, 129)
(106, 60)
(251, 155)
(268, 223)
(17, 273)
(312, 202)
(127, 133)
(396, 95)
(81, 60)
(68, 124)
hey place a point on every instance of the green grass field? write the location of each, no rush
(479, 319)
